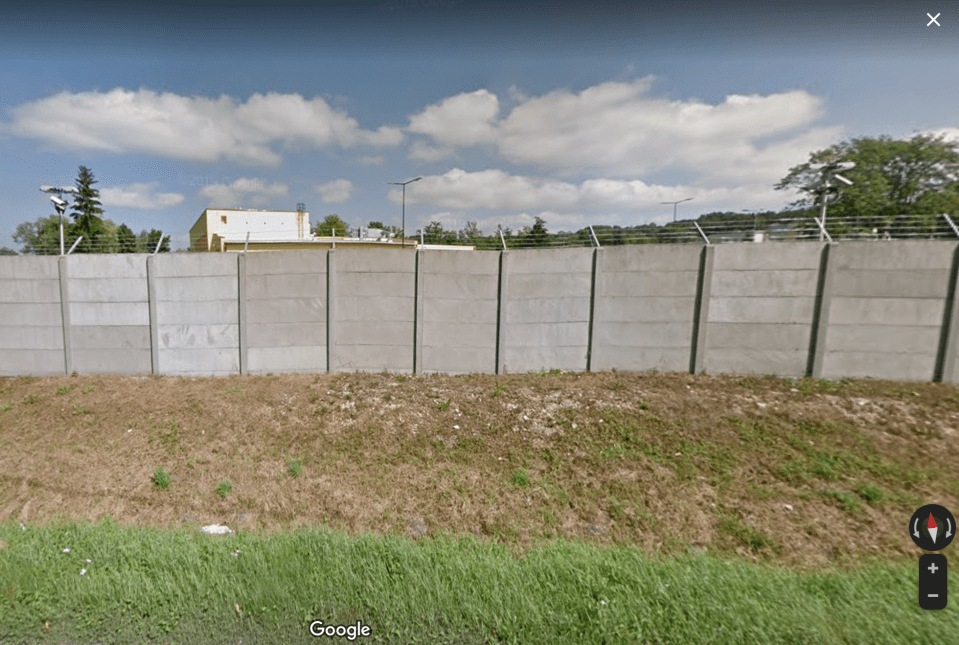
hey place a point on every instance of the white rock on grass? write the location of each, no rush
(217, 529)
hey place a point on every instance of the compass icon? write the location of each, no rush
(932, 527)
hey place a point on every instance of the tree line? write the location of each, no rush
(85, 222)
(898, 186)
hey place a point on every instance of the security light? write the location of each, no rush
(843, 180)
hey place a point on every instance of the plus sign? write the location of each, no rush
(933, 567)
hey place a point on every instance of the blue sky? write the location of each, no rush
(578, 113)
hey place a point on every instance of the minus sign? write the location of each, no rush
(932, 595)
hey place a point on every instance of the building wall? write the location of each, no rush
(878, 309)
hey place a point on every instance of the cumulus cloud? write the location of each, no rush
(496, 190)
(463, 119)
(243, 193)
(371, 160)
(140, 196)
(336, 191)
(193, 128)
(421, 151)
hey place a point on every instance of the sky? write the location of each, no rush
(578, 113)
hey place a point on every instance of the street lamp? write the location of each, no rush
(403, 184)
(674, 205)
(59, 204)
(827, 170)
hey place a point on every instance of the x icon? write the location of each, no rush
(933, 19)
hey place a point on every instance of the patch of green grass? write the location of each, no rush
(644, 405)
(847, 501)
(81, 409)
(236, 389)
(161, 478)
(89, 388)
(293, 468)
(499, 390)
(152, 586)
(444, 405)
(5, 407)
(30, 399)
(224, 488)
(521, 478)
(747, 536)
(66, 389)
(400, 378)
(872, 494)
(615, 451)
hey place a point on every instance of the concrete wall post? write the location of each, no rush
(331, 355)
(154, 322)
(65, 315)
(820, 323)
(501, 300)
(418, 301)
(244, 347)
(949, 338)
(594, 288)
(697, 354)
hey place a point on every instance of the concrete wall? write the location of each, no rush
(374, 293)
(31, 323)
(109, 313)
(887, 309)
(645, 307)
(761, 306)
(878, 309)
(286, 312)
(547, 309)
(457, 298)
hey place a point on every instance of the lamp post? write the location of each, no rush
(674, 205)
(830, 169)
(59, 204)
(403, 184)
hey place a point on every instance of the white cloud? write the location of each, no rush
(192, 128)
(336, 191)
(140, 196)
(463, 119)
(243, 193)
(371, 160)
(495, 190)
(421, 151)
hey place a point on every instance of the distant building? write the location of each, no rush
(218, 226)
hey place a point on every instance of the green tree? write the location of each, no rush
(5, 250)
(434, 233)
(126, 240)
(41, 237)
(147, 241)
(891, 178)
(376, 225)
(535, 236)
(331, 223)
(86, 216)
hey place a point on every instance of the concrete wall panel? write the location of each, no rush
(376, 358)
(801, 283)
(280, 335)
(199, 336)
(216, 312)
(886, 311)
(661, 284)
(467, 286)
(781, 256)
(898, 367)
(193, 289)
(29, 267)
(114, 361)
(440, 335)
(787, 336)
(360, 333)
(901, 254)
(377, 261)
(644, 310)
(31, 361)
(109, 313)
(548, 310)
(921, 283)
(387, 309)
(643, 259)
(108, 289)
(106, 337)
(374, 285)
(460, 312)
(757, 361)
(885, 339)
(200, 362)
(14, 314)
(640, 358)
(287, 359)
(97, 266)
(287, 263)
(674, 335)
(761, 310)
(459, 360)
(271, 286)
(175, 265)
(31, 336)
(24, 290)
(287, 310)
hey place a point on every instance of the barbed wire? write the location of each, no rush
(718, 229)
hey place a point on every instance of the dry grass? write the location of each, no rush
(801, 471)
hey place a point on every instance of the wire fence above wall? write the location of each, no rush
(713, 229)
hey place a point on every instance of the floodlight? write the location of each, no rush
(59, 203)
(843, 180)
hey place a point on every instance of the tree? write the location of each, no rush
(535, 236)
(86, 216)
(332, 223)
(376, 225)
(41, 237)
(5, 250)
(435, 234)
(126, 240)
(147, 242)
(891, 178)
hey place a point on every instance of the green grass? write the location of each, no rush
(521, 478)
(161, 478)
(444, 405)
(180, 587)
(293, 468)
(224, 488)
